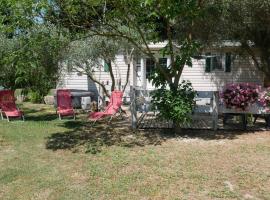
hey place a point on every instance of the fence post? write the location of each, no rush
(215, 110)
(133, 109)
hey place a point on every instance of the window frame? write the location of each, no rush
(226, 62)
(153, 66)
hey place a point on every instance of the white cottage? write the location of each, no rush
(219, 66)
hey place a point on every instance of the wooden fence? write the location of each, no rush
(206, 115)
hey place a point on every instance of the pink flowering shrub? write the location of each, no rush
(240, 95)
(264, 98)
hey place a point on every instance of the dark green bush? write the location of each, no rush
(35, 97)
(175, 105)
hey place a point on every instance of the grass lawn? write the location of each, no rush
(44, 158)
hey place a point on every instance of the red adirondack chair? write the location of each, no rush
(112, 109)
(64, 103)
(8, 105)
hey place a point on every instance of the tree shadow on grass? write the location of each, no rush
(41, 114)
(81, 136)
(92, 139)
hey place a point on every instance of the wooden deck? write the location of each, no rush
(199, 122)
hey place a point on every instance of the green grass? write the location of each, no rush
(44, 158)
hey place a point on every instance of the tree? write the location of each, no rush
(31, 48)
(37, 58)
(90, 54)
(7, 69)
(247, 22)
(139, 23)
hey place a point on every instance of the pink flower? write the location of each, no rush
(240, 95)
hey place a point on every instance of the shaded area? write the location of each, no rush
(81, 134)
(205, 122)
(92, 139)
(39, 112)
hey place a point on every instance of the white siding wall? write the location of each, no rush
(242, 70)
(120, 72)
(72, 80)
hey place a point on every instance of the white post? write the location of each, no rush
(133, 108)
(133, 74)
(143, 73)
(215, 110)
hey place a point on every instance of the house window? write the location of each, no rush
(150, 65)
(218, 62)
(163, 62)
(228, 62)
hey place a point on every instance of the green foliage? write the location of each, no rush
(244, 21)
(30, 60)
(35, 97)
(7, 68)
(30, 48)
(37, 60)
(139, 23)
(176, 105)
(88, 54)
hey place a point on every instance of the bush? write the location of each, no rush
(176, 105)
(35, 97)
(240, 95)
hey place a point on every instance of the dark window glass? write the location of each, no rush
(163, 62)
(228, 62)
(217, 62)
(150, 67)
(208, 63)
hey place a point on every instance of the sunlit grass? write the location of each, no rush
(44, 158)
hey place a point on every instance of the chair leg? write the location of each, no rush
(74, 116)
(59, 116)
(23, 117)
(2, 118)
(7, 118)
(93, 123)
(110, 119)
(121, 115)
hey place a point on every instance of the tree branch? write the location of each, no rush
(90, 75)
(109, 63)
(129, 58)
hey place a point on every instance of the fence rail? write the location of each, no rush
(207, 113)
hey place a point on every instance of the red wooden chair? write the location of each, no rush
(8, 105)
(112, 109)
(64, 103)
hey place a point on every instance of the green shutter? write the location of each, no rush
(106, 67)
(228, 62)
(208, 64)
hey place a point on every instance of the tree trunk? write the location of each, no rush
(178, 76)
(99, 83)
(127, 78)
(109, 62)
(89, 74)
